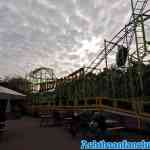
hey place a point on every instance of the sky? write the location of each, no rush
(60, 34)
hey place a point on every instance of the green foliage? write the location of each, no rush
(111, 83)
(18, 84)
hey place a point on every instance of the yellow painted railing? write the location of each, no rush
(133, 107)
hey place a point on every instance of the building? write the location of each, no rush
(11, 102)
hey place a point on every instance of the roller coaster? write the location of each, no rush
(116, 81)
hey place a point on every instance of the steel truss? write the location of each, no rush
(135, 28)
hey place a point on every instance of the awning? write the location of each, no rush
(6, 93)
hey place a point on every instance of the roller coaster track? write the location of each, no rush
(132, 107)
(125, 35)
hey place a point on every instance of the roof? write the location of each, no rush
(8, 93)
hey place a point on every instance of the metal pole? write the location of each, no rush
(105, 53)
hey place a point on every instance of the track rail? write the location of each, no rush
(123, 37)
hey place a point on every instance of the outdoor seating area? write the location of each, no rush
(86, 125)
(83, 124)
(54, 119)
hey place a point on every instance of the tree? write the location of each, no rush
(18, 84)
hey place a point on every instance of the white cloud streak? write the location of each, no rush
(61, 34)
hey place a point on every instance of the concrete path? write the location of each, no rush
(25, 134)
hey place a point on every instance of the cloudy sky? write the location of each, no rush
(60, 34)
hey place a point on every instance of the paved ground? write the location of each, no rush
(25, 134)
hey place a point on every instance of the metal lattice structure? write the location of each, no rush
(131, 37)
(103, 86)
(42, 80)
(125, 37)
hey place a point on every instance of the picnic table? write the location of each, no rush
(50, 119)
(45, 119)
(66, 122)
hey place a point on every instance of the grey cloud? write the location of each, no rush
(51, 33)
